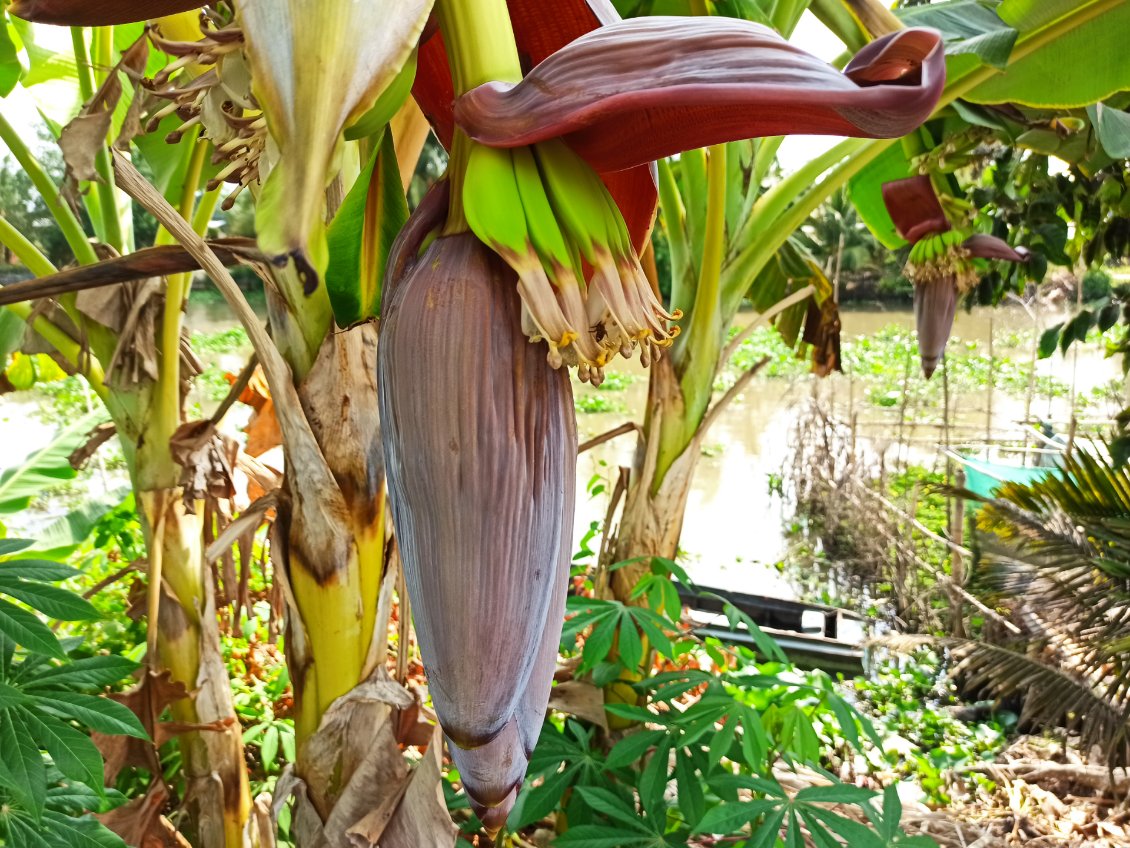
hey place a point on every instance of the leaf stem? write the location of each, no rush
(68, 222)
(481, 48)
(110, 220)
(168, 402)
(480, 42)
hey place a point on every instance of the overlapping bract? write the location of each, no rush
(480, 449)
(940, 263)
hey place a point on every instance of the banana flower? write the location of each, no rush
(941, 265)
(623, 93)
(620, 94)
(480, 462)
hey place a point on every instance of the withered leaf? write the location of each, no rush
(421, 820)
(85, 135)
(96, 438)
(207, 459)
(822, 331)
(140, 823)
(147, 700)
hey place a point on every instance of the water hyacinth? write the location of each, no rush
(941, 263)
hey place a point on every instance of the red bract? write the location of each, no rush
(540, 31)
(638, 90)
(916, 212)
(914, 208)
(624, 93)
(97, 12)
(990, 247)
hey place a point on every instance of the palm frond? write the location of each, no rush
(1058, 552)
(1051, 696)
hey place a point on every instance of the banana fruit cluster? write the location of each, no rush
(551, 219)
(942, 256)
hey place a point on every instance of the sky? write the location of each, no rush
(798, 150)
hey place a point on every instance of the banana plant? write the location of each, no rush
(1025, 38)
(331, 531)
(941, 262)
(128, 344)
(553, 116)
(282, 142)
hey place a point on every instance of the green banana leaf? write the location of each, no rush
(46, 467)
(361, 236)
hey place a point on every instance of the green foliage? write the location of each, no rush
(47, 700)
(595, 403)
(45, 467)
(1096, 284)
(212, 382)
(261, 694)
(712, 728)
(363, 231)
(911, 703)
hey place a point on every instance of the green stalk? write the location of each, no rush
(24, 250)
(168, 403)
(480, 42)
(697, 357)
(83, 68)
(772, 204)
(763, 159)
(480, 48)
(54, 335)
(750, 261)
(68, 223)
(107, 207)
(675, 225)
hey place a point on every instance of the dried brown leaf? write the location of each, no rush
(207, 459)
(85, 135)
(147, 700)
(421, 819)
(140, 823)
(582, 699)
(97, 437)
